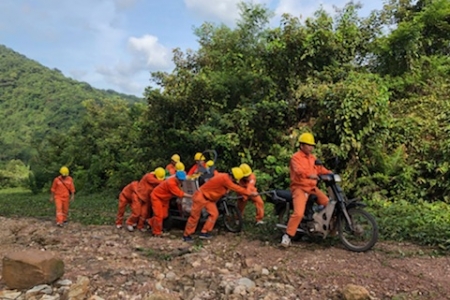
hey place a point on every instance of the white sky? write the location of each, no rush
(115, 44)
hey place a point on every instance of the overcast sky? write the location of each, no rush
(115, 44)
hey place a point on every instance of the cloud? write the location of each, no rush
(305, 9)
(226, 11)
(149, 51)
(146, 55)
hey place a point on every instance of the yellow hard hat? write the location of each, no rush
(246, 170)
(160, 173)
(175, 158)
(179, 166)
(237, 173)
(210, 163)
(199, 156)
(307, 138)
(64, 171)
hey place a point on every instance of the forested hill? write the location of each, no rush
(34, 100)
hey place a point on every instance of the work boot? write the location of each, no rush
(285, 241)
(205, 236)
(260, 222)
(119, 226)
(130, 228)
(188, 239)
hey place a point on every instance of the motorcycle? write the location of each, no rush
(357, 229)
(180, 208)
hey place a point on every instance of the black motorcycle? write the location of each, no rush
(357, 229)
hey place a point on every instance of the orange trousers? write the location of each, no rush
(198, 203)
(160, 212)
(257, 201)
(135, 206)
(299, 198)
(62, 210)
(146, 208)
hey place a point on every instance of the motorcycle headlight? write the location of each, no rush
(337, 178)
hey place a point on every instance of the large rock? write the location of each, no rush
(355, 292)
(25, 269)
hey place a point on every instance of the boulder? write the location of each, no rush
(355, 292)
(26, 269)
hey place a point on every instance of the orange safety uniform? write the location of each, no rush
(301, 166)
(206, 197)
(128, 196)
(194, 168)
(160, 199)
(250, 185)
(171, 169)
(62, 188)
(145, 187)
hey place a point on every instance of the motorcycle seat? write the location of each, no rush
(285, 194)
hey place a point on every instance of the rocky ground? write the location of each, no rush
(124, 265)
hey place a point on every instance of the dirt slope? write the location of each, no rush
(124, 265)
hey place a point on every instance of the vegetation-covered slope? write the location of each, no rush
(35, 100)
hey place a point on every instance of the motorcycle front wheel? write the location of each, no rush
(232, 219)
(365, 230)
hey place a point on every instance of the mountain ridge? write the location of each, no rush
(35, 100)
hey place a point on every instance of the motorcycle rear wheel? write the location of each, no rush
(365, 233)
(233, 219)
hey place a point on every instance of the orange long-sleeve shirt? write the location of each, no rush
(168, 189)
(171, 169)
(146, 185)
(218, 186)
(194, 168)
(302, 166)
(62, 187)
(130, 189)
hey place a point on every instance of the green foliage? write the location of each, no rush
(422, 222)
(14, 174)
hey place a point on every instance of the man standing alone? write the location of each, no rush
(62, 192)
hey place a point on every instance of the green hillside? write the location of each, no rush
(36, 100)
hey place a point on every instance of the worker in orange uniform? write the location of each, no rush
(160, 199)
(62, 192)
(171, 167)
(249, 182)
(304, 175)
(207, 196)
(199, 162)
(145, 187)
(128, 196)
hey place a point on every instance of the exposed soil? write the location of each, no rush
(131, 265)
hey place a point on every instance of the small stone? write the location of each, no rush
(171, 275)
(249, 284)
(160, 276)
(9, 294)
(64, 282)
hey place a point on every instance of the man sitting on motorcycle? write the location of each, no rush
(304, 175)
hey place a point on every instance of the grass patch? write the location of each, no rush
(92, 209)
(422, 223)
